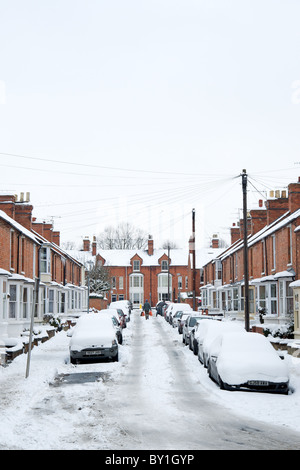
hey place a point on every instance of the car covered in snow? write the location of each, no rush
(181, 322)
(176, 307)
(123, 309)
(176, 319)
(189, 324)
(208, 331)
(113, 313)
(194, 333)
(180, 307)
(94, 338)
(247, 361)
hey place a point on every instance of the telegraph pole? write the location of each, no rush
(194, 258)
(246, 271)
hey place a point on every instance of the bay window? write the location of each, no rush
(45, 263)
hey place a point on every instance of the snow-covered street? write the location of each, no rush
(158, 396)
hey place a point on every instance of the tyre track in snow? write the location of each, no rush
(214, 426)
(158, 404)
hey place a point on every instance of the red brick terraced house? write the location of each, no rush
(273, 259)
(30, 250)
(138, 275)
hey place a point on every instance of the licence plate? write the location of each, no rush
(93, 353)
(261, 383)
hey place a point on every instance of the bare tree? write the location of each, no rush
(69, 245)
(168, 244)
(123, 237)
(99, 278)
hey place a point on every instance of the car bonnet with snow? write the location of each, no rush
(93, 331)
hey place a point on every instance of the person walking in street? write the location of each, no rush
(147, 308)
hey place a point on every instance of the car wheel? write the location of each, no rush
(195, 348)
(190, 346)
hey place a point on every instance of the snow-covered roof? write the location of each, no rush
(19, 227)
(266, 231)
(179, 257)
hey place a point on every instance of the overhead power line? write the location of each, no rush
(103, 167)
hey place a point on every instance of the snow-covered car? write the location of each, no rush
(182, 321)
(245, 360)
(208, 331)
(176, 319)
(180, 307)
(189, 324)
(159, 307)
(94, 337)
(113, 313)
(194, 333)
(122, 305)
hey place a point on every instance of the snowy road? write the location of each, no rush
(149, 400)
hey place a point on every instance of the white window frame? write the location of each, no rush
(45, 262)
(136, 265)
(164, 265)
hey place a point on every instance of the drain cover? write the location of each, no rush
(79, 378)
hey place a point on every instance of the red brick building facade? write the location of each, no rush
(273, 259)
(30, 250)
(138, 275)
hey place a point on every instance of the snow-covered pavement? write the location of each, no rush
(113, 410)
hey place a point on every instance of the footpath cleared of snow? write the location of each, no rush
(40, 412)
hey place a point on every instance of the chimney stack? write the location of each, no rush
(86, 244)
(94, 246)
(294, 196)
(277, 206)
(215, 241)
(150, 245)
(7, 205)
(235, 233)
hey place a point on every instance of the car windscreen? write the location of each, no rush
(193, 321)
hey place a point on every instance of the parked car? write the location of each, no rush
(113, 313)
(182, 307)
(167, 311)
(159, 307)
(176, 319)
(208, 331)
(123, 306)
(189, 324)
(182, 321)
(193, 339)
(94, 338)
(247, 361)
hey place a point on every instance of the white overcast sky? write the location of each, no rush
(140, 111)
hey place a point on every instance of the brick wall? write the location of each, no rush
(17, 258)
